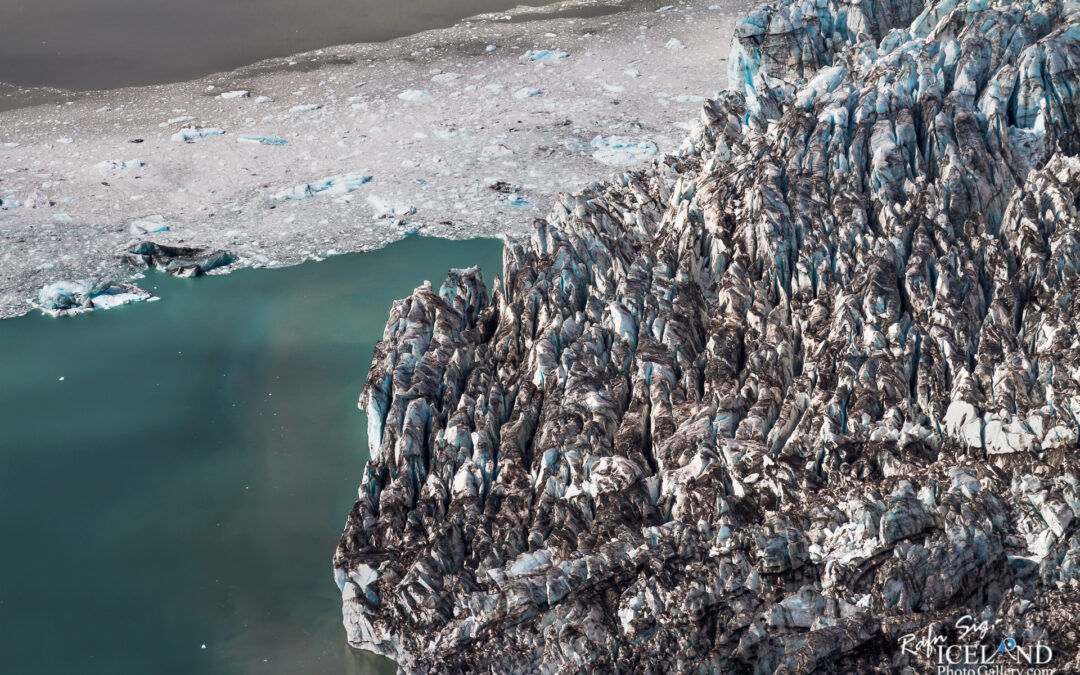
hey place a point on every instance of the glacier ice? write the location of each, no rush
(772, 403)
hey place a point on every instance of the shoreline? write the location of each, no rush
(433, 133)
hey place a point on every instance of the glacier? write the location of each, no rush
(774, 404)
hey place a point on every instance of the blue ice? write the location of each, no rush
(263, 140)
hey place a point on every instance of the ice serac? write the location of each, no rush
(803, 389)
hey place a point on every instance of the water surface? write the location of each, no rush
(103, 44)
(185, 482)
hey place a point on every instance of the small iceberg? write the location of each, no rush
(526, 92)
(622, 151)
(446, 78)
(189, 134)
(117, 165)
(66, 298)
(545, 55)
(177, 120)
(332, 186)
(230, 95)
(301, 109)
(262, 140)
(414, 95)
(389, 207)
(148, 225)
(9, 204)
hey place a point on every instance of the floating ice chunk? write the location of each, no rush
(519, 203)
(64, 298)
(301, 109)
(65, 140)
(445, 78)
(389, 207)
(491, 48)
(229, 95)
(614, 88)
(264, 99)
(622, 151)
(62, 295)
(117, 165)
(414, 95)
(689, 98)
(674, 43)
(9, 204)
(262, 140)
(120, 294)
(574, 145)
(633, 72)
(545, 54)
(446, 134)
(148, 225)
(195, 133)
(526, 92)
(332, 186)
(665, 8)
(177, 120)
(496, 151)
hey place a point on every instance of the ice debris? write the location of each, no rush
(414, 95)
(67, 298)
(195, 133)
(118, 165)
(305, 108)
(333, 186)
(179, 261)
(148, 225)
(390, 207)
(622, 151)
(545, 55)
(262, 140)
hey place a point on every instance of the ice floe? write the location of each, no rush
(326, 187)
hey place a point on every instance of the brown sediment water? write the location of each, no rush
(85, 45)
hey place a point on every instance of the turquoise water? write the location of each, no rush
(186, 482)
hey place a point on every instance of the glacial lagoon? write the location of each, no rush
(174, 475)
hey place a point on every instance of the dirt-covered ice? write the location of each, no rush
(463, 132)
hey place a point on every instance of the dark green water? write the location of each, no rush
(185, 484)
